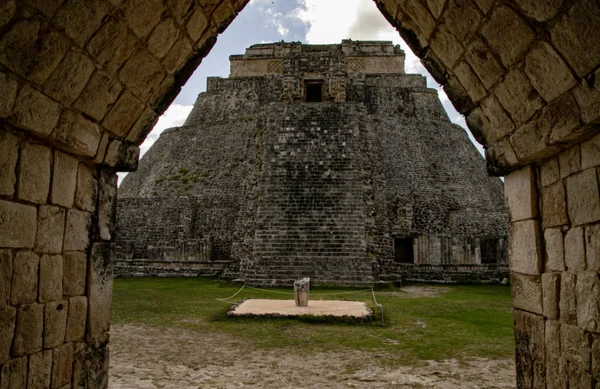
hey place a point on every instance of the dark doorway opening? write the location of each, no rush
(489, 251)
(403, 250)
(314, 91)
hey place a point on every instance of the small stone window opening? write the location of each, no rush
(314, 91)
(403, 250)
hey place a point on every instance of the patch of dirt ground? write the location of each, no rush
(143, 357)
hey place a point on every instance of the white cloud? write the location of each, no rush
(174, 116)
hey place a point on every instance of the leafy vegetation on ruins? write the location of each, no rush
(421, 322)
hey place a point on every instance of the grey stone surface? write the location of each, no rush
(74, 273)
(62, 365)
(568, 298)
(34, 173)
(6, 270)
(530, 356)
(19, 224)
(51, 278)
(28, 329)
(24, 285)
(100, 278)
(7, 329)
(13, 374)
(290, 189)
(50, 229)
(40, 370)
(76, 318)
(9, 153)
(526, 292)
(77, 230)
(64, 177)
(55, 323)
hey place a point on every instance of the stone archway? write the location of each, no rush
(84, 81)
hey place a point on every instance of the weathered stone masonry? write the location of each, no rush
(322, 189)
(524, 72)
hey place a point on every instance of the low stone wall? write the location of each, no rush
(171, 268)
(484, 274)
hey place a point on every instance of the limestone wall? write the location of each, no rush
(555, 211)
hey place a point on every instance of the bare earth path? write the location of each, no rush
(147, 357)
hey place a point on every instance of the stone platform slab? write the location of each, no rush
(288, 308)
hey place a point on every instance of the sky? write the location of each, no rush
(307, 21)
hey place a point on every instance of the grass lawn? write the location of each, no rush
(461, 321)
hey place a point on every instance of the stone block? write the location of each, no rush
(35, 112)
(55, 323)
(74, 273)
(530, 355)
(19, 224)
(143, 15)
(113, 44)
(91, 368)
(51, 278)
(13, 374)
(551, 288)
(6, 269)
(8, 317)
(588, 301)
(446, 47)
(123, 114)
(99, 94)
(526, 292)
(81, 18)
(573, 33)
(583, 197)
(164, 35)
(142, 126)
(519, 189)
(552, 337)
(547, 71)
(122, 156)
(554, 206)
(24, 286)
(500, 124)
(549, 172)
(483, 62)
(32, 51)
(9, 153)
(70, 77)
(540, 11)
(107, 204)
(592, 247)
(554, 249)
(462, 19)
(575, 345)
(197, 24)
(87, 188)
(141, 74)
(179, 9)
(517, 96)
(579, 378)
(574, 250)
(77, 134)
(50, 229)
(560, 123)
(596, 358)
(524, 248)
(77, 318)
(470, 81)
(557, 376)
(47, 7)
(40, 369)
(102, 148)
(77, 232)
(508, 35)
(62, 365)
(500, 158)
(590, 151)
(177, 56)
(99, 294)
(34, 173)
(531, 144)
(64, 179)
(568, 298)
(569, 161)
(587, 95)
(8, 89)
(28, 329)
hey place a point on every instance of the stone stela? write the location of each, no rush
(301, 292)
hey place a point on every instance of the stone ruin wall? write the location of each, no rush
(241, 106)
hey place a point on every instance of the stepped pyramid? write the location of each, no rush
(321, 161)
